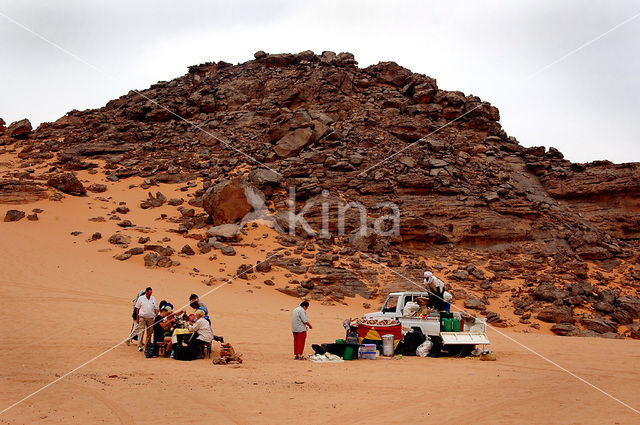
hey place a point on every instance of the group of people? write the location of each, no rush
(155, 323)
(158, 322)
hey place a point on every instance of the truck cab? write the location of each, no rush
(475, 329)
(394, 304)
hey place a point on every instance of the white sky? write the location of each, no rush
(587, 105)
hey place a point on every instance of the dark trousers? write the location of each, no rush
(195, 346)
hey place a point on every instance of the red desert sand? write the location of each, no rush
(67, 308)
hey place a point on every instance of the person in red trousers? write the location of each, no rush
(299, 325)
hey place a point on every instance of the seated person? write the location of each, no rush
(196, 304)
(423, 303)
(202, 333)
(161, 324)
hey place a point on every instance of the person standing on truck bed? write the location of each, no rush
(436, 290)
(299, 324)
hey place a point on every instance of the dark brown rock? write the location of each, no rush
(119, 239)
(14, 215)
(227, 202)
(474, 303)
(19, 129)
(97, 188)
(67, 183)
(599, 324)
(263, 267)
(556, 314)
(188, 250)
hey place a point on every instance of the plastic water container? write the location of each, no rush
(456, 325)
(348, 353)
(387, 345)
(446, 325)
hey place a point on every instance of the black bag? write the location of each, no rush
(151, 350)
(182, 352)
(411, 342)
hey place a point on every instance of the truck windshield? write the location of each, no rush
(391, 305)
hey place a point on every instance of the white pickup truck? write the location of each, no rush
(474, 333)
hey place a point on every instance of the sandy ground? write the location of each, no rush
(67, 301)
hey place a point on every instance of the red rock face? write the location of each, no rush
(466, 191)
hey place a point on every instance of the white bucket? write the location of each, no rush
(387, 345)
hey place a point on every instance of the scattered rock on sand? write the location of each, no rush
(67, 183)
(228, 250)
(225, 232)
(188, 250)
(474, 303)
(151, 259)
(263, 267)
(153, 201)
(14, 215)
(244, 270)
(123, 256)
(119, 239)
(97, 188)
(95, 236)
(33, 217)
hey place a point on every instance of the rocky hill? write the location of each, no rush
(513, 230)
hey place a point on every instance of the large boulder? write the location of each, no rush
(67, 183)
(599, 324)
(228, 201)
(20, 129)
(556, 314)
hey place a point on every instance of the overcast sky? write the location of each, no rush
(587, 104)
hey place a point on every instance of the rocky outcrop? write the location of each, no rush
(19, 129)
(348, 143)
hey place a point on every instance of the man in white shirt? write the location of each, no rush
(146, 309)
(299, 324)
(436, 290)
